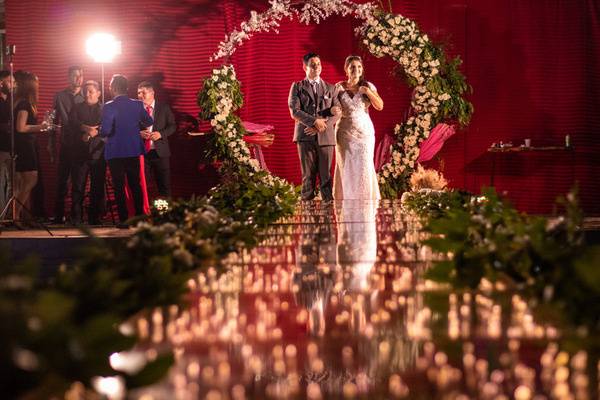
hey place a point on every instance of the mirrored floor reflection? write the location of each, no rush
(333, 304)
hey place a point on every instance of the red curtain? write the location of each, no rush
(534, 68)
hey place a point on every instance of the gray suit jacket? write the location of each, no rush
(305, 109)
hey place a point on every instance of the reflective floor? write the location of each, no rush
(333, 304)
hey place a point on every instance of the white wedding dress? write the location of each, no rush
(355, 177)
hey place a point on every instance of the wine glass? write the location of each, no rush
(49, 117)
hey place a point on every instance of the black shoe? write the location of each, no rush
(57, 221)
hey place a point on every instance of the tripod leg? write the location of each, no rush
(24, 182)
(6, 209)
(16, 202)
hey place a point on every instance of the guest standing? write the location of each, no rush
(156, 142)
(64, 101)
(122, 120)
(88, 157)
(6, 83)
(26, 129)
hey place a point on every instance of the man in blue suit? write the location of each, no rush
(122, 120)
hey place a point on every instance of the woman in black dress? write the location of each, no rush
(26, 128)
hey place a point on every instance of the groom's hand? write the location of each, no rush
(310, 131)
(320, 124)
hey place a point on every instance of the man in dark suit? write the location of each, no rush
(64, 101)
(156, 160)
(89, 156)
(122, 120)
(310, 102)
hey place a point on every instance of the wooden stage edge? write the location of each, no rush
(62, 232)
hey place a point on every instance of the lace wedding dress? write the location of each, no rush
(355, 176)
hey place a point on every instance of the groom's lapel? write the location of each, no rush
(321, 93)
(308, 88)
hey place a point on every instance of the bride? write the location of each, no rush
(355, 177)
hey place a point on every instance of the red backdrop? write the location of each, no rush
(534, 68)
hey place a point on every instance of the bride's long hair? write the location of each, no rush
(361, 81)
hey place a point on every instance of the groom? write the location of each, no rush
(310, 102)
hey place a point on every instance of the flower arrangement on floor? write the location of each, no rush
(439, 86)
(429, 196)
(490, 241)
(65, 330)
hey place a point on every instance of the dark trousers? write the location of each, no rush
(315, 161)
(160, 169)
(65, 164)
(96, 169)
(119, 169)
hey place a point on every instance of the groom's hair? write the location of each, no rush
(308, 56)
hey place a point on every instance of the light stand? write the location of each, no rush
(102, 67)
(11, 203)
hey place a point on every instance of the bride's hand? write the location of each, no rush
(335, 110)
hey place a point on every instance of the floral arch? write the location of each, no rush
(438, 85)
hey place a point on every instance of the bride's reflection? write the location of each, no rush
(322, 257)
(347, 306)
(357, 239)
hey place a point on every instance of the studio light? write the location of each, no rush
(103, 47)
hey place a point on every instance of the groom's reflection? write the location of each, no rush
(315, 262)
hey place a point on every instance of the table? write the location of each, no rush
(495, 150)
